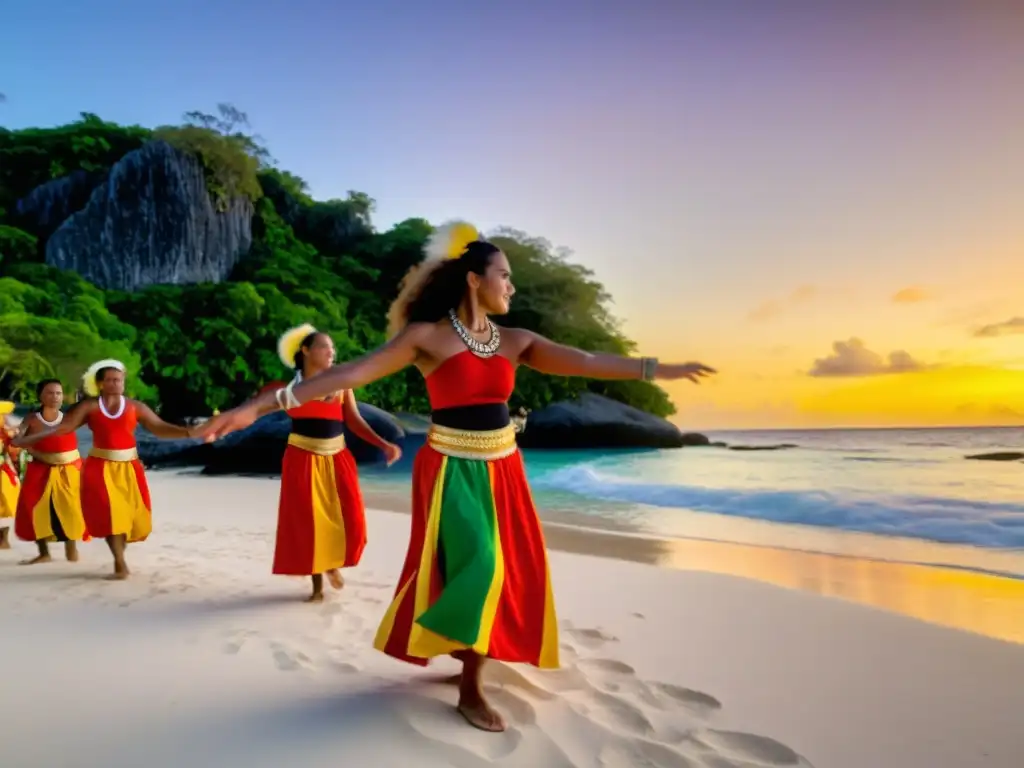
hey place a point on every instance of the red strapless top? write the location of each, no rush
(318, 409)
(113, 434)
(315, 409)
(465, 379)
(57, 443)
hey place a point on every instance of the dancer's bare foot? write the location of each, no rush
(480, 714)
(316, 597)
(121, 572)
(71, 551)
(472, 704)
(334, 578)
(5, 538)
(117, 545)
(36, 560)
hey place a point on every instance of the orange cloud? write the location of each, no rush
(1009, 327)
(852, 358)
(775, 307)
(912, 295)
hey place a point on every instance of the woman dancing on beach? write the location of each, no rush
(50, 507)
(8, 475)
(475, 583)
(321, 522)
(115, 494)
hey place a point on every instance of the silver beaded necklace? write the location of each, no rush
(487, 348)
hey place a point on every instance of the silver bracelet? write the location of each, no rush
(280, 401)
(290, 398)
(648, 368)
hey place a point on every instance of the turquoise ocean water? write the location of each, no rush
(906, 495)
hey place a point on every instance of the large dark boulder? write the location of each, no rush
(150, 222)
(259, 448)
(594, 421)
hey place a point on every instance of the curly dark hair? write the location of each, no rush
(432, 288)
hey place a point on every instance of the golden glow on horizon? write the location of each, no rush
(954, 396)
(765, 359)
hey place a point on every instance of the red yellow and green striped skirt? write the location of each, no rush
(321, 521)
(50, 507)
(115, 495)
(476, 573)
(8, 489)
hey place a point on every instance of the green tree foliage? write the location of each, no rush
(192, 349)
(34, 156)
(231, 158)
(55, 325)
(17, 246)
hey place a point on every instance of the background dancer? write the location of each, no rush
(50, 507)
(115, 494)
(321, 521)
(8, 475)
(475, 582)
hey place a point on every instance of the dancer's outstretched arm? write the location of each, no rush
(72, 420)
(390, 358)
(546, 356)
(158, 426)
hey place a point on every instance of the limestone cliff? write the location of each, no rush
(152, 222)
(49, 205)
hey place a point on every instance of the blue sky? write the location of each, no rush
(705, 159)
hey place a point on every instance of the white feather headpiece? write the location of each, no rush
(290, 343)
(449, 241)
(89, 377)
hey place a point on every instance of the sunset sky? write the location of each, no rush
(825, 202)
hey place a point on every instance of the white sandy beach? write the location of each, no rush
(204, 658)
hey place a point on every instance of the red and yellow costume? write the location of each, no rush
(50, 508)
(8, 476)
(321, 522)
(476, 573)
(115, 494)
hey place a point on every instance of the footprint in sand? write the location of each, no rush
(645, 753)
(439, 722)
(591, 637)
(750, 746)
(288, 660)
(667, 696)
(613, 712)
(605, 667)
(237, 640)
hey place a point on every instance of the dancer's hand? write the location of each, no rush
(225, 423)
(392, 453)
(690, 371)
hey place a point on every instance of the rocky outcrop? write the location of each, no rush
(594, 421)
(772, 447)
(259, 448)
(695, 440)
(49, 205)
(152, 222)
(997, 456)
